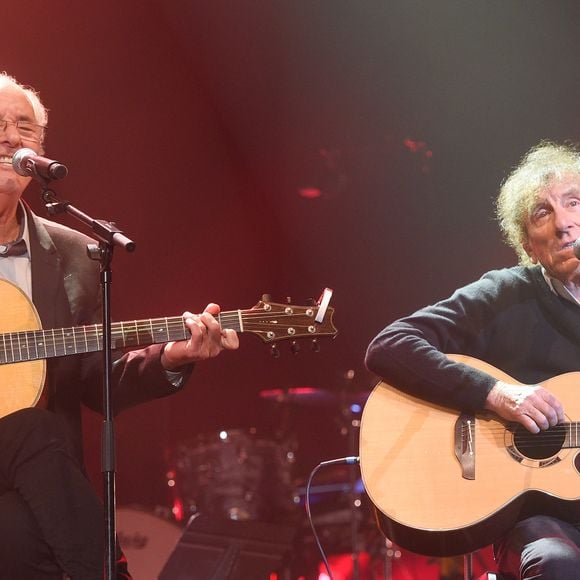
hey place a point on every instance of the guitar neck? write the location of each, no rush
(41, 344)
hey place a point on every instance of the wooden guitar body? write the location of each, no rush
(445, 484)
(21, 383)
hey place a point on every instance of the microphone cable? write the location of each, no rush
(350, 460)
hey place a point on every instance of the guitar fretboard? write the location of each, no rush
(40, 344)
(573, 432)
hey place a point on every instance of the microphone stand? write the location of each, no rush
(109, 236)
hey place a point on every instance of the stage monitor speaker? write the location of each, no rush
(222, 549)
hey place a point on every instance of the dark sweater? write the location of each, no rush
(509, 318)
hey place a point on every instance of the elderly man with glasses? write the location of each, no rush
(51, 521)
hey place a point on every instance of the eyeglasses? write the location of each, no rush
(26, 129)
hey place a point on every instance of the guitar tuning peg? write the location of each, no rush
(311, 302)
(295, 347)
(288, 300)
(274, 351)
(266, 298)
(315, 346)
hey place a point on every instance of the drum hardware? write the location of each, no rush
(232, 474)
(350, 412)
(240, 475)
(348, 404)
(312, 397)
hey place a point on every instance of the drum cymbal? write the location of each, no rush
(299, 395)
(311, 396)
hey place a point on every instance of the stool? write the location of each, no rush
(468, 570)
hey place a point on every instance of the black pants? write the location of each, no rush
(51, 520)
(540, 547)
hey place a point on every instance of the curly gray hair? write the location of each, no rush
(541, 166)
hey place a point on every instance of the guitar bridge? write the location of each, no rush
(465, 444)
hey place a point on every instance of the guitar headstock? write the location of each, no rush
(273, 321)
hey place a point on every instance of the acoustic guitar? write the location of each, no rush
(445, 483)
(25, 346)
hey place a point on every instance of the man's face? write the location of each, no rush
(553, 226)
(14, 106)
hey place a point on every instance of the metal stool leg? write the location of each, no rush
(468, 566)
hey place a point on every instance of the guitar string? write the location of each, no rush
(138, 325)
(23, 338)
(544, 438)
(124, 328)
(145, 330)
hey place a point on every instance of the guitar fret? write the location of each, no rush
(18, 342)
(42, 342)
(97, 338)
(26, 337)
(12, 346)
(35, 345)
(19, 346)
(123, 335)
(167, 328)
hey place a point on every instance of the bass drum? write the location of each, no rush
(233, 474)
(147, 541)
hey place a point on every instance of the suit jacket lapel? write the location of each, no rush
(46, 273)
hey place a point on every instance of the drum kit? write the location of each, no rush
(245, 475)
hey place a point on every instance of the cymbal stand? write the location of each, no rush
(350, 427)
(382, 553)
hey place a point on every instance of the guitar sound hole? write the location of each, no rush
(542, 445)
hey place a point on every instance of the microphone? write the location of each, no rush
(577, 248)
(27, 163)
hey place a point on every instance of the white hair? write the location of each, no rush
(40, 111)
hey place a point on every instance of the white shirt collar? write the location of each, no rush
(558, 288)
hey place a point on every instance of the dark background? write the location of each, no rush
(196, 125)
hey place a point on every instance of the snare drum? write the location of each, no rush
(147, 541)
(233, 474)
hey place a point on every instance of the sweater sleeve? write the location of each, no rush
(411, 352)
